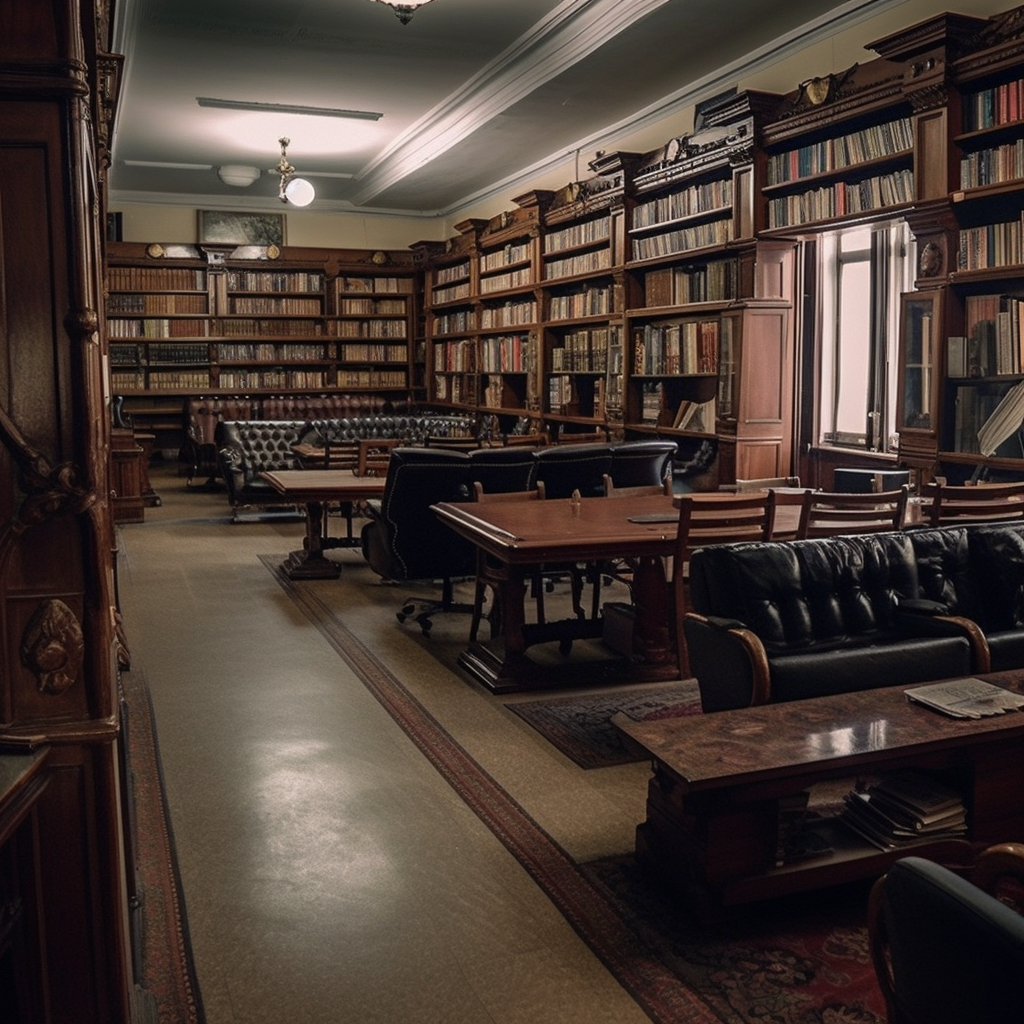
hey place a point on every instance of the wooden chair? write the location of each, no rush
(592, 437)
(946, 504)
(713, 518)
(531, 440)
(493, 574)
(374, 455)
(622, 569)
(761, 484)
(829, 514)
(946, 949)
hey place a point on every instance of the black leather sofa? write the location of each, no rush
(247, 448)
(783, 621)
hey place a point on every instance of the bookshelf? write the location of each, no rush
(184, 320)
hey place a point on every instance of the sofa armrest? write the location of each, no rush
(232, 468)
(728, 660)
(927, 618)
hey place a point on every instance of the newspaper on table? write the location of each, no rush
(967, 698)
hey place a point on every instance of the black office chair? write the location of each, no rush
(945, 950)
(404, 539)
(574, 467)
(500, 470)
(641, 463)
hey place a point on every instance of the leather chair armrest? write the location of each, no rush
(729, 662)
(929, 622)
(232, 466)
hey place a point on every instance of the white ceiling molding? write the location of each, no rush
(571, 32)
(827, 25)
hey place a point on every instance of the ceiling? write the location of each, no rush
(476, 97)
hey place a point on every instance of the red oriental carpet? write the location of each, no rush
(799, 962)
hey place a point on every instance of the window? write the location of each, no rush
(861, 275)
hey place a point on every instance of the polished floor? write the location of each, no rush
(331, 875)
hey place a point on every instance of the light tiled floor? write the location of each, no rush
(330, 873)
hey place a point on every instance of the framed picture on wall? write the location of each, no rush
(218, 227)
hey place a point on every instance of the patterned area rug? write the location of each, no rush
(169, 993)
(582, 727)
(801, 962)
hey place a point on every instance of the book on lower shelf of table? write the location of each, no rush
(906, 808)
(966, 698)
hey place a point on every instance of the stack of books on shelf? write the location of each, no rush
(906, 808)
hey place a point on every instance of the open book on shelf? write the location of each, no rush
(1005, 420)
(966, 698)
(696, 416)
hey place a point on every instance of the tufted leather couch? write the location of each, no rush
(248, 447)
(198, 455)
(783, 621)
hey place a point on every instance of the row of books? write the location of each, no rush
(587, 232)
(505, 257)
(585, 351)
(987, 108)
(393, 379)
(990, 166)
(145, 279)
(841, 199)
(506, 353)
(156, 303)
(245, 305)
(589, 301)
(275, 281)
(276, 378)
(451, 294)
(717, 281)
(991, 245)
(384, 284)
(372, 329)
(690, 346)
(503, 282)
(250, 327)
(687, 202)
(371, 307)
(454, 272)
(992, 345)
(160, 327)
(581, 263)
(700, 236)
(845, 151)
(373, 353)
(510, 314)
(455, 357)
(456, 322)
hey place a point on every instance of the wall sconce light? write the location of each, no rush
(238, 175)
(404, 11)
(296, 191)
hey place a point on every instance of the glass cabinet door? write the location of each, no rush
(920, 334)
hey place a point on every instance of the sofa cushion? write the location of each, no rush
(997, 553)
(891, 660)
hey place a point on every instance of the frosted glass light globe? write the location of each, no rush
(299, 192)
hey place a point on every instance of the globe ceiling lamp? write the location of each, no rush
(238, 175)
(404, 11)
(296, 191)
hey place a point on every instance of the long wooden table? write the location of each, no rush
(523, 535)
(714, 799)
(316, 489)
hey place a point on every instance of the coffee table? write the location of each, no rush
(315, 489)
(720, 779)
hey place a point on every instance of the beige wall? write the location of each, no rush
(378, 231)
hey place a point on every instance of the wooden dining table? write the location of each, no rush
(316, 490)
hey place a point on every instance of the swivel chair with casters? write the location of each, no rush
(404, 540)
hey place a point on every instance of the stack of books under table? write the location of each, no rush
(906, 808)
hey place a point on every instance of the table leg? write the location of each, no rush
(311, 563)
(652, 633)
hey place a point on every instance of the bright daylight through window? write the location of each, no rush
(861, 275)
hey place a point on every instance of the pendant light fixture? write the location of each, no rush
(404, 11)
(296, 191)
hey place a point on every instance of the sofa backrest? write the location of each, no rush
(265, 445)
(997, 562)
(803, 592)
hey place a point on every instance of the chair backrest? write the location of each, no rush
(717, 518)
(420, 544)
(635, 463)
(374, 455)
(946, 504)
(945, 950)
(640, 490)
(829, 514)
(763, 484)
(527, 440)
(502, 469)
(479, 494)
(577, 467)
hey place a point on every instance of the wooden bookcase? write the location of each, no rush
(185, 320)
